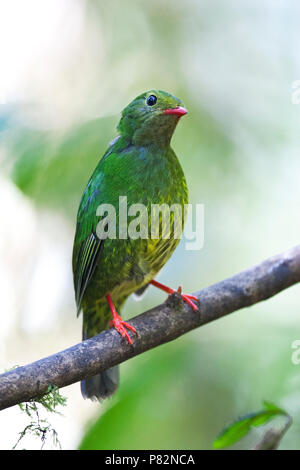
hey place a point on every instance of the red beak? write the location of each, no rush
(179, 111)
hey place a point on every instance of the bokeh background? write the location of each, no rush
(67, 69)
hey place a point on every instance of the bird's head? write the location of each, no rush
(151, 117)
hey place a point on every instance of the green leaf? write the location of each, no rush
(242, 426)
(271, 407)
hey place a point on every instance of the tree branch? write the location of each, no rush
(157, 326)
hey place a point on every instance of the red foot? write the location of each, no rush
(118, 323)
(185, 297)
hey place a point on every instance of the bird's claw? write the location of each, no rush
(188, 299)
(121, 326)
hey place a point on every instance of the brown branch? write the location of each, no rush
(273, 436)
(157, 326)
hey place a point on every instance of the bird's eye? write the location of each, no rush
(151, 100)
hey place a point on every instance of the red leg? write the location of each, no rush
(118, 323)
(186, 298)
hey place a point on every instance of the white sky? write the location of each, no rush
(31, 31)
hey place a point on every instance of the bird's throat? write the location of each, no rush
(157, 131)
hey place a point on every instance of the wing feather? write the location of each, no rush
(86, 262)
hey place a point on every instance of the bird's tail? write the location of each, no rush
(106, 383)
(102, 385)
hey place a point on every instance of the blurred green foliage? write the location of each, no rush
(51, 166)
(180, 395)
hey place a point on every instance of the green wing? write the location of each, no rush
(102, 188)
(87, 259)
(87, 246)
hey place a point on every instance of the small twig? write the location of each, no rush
(272, 438)
(40, 427)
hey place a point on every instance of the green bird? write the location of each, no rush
(139, 165)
